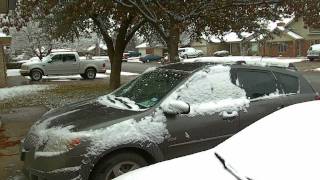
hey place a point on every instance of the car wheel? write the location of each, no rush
(148, 61)
(185, 57)
(91, 73)
(116, 165)
(311, 59)
(83, 76)
(36, 75)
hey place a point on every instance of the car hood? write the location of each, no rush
(83, 115)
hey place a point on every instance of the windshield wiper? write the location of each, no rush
(123, 102)
(228, 168)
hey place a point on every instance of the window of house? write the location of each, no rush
(283, 47)
(316, 41)
(314, 30)
(257, 83)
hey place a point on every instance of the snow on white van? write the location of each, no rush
(314, 52)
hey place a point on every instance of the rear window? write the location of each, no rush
(289, 84)
(257, 83)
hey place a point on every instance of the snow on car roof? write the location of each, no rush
(250, 60)
(282, 145)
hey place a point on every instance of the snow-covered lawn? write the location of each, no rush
(11, 92)
(13, 72)
(253, 60)
(318, 69)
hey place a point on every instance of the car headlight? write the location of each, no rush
(60, 144)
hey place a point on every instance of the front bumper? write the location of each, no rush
(24, 72)
(63, 166)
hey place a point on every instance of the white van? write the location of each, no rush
(314, 52)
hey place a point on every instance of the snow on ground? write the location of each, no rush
(13, 72)
(11, 92)
(318, 69)
(252, 60)
(125, 73)
(134, 60)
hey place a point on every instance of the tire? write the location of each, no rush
(83, 76)
(311, 59)
(148, 61)
(185, 57)
(114, 165)
(90, 73)
(36, 75)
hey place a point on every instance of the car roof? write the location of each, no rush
(193, 66)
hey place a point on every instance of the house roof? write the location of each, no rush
(101, 45)
(147, 45)
(227, 37)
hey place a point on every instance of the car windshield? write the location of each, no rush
(149, 88)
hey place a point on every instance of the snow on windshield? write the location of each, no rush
(119, 103)
(211, 90)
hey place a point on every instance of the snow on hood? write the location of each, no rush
(150, 129)
(280, 146)
(210, 91)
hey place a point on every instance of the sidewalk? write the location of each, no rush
(15, 125)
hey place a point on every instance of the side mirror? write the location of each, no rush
(176, 107)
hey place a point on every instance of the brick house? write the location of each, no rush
(291, 38)
(156, 49)
(230, 41)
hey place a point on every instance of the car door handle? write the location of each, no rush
(229, 115)
(280, 107)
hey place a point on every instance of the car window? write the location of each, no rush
(151, 87)
(56, 58)
(69, 57)
(211, 84)
(289, 84)
(257, 83)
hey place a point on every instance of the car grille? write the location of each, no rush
(31, 141)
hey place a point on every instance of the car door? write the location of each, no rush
(54, 66)
(70, 64)
(264, 94)
(192, 133)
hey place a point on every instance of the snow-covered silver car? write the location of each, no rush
(172, 111)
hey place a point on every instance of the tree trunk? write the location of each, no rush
(115, 76)
(173, 43)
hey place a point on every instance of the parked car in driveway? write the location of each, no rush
(314, 52)
(150, 58)
(282, 145)
(63, 63)
(222, 53)
(189, 52)
(172, 111)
